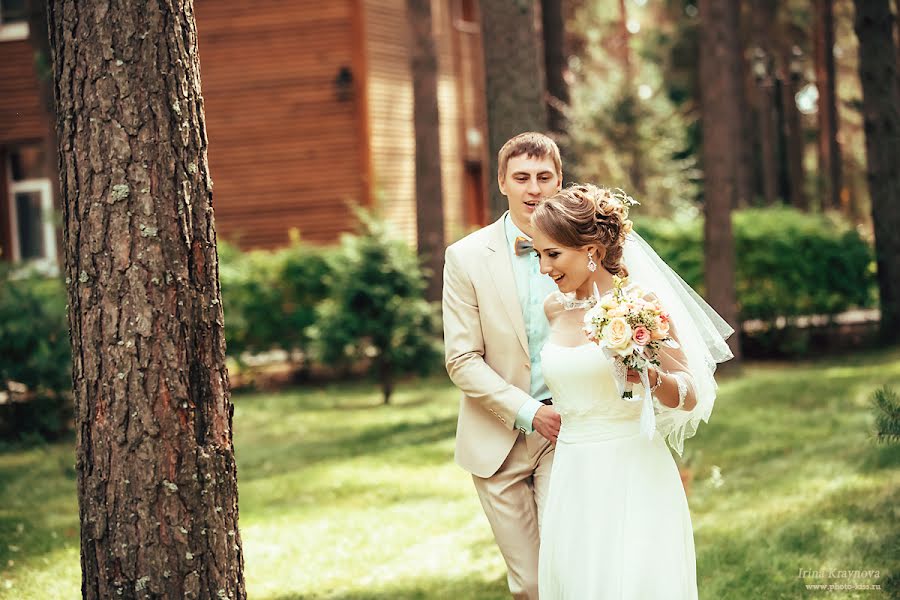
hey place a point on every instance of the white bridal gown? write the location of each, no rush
(616, 523)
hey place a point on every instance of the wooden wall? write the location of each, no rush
(285, 138)
(22, 119)
(392, 139)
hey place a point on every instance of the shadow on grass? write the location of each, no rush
(370, 442)
(848, 529)
(427, 589)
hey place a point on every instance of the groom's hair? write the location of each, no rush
(532, 144)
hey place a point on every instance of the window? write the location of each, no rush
(31, 210)
(13, 20)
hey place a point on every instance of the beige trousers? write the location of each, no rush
(513, 500)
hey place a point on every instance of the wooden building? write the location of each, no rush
(308, 109)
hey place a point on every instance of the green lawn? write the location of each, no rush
(344, 498)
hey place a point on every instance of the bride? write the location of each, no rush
(616, 522)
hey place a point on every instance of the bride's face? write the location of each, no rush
(568, 267)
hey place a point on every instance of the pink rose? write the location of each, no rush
(641, 335)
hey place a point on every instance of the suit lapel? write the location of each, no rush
(500, 267)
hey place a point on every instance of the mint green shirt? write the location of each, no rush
(532, 288)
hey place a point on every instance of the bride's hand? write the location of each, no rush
(635, 376)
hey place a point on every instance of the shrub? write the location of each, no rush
(788, 264)
(376, 311)
(35, 356)
(269, 298)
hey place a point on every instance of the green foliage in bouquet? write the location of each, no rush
(886, 405)
(35, 356)
(269, 298)
(376, 312)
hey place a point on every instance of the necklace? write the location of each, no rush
(571, 302)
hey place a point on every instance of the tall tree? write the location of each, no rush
(746, 134)
(426, 120)
(829, 152)
(790, 74)
(155, 464)
(514, 77)
(720, 85)
(764, 52)
(881, 120)
(629, 105)
(555, 65)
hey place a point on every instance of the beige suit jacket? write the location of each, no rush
(486, 347)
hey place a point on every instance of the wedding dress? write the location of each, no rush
(616, 523)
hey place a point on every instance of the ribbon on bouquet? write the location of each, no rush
(648, 415)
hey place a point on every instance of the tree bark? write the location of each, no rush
(157, 488)
(763, 23)
(630, 105)
(829, 153)
(720, 119)
(514, 78)
(791, 123)
(427, 125)
(881, 121)
(745, 139)
(555, 65)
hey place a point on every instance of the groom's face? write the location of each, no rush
(528, 179)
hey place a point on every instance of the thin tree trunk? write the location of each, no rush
(763, 23)
(793, 131)
(427, 125)
(631, 108)
(829, 152)
(720, 118)
(157, 485)
(746, 134)
(555, 65)
(514, 77)
(881, 120)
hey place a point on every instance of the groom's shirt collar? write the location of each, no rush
(512, 232)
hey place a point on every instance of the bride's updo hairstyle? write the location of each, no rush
(583, 214)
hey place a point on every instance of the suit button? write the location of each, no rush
(528, 366)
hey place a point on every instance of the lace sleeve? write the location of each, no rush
(692, 364)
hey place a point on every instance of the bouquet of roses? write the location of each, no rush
(631, 326)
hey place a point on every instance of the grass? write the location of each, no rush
(342, 498)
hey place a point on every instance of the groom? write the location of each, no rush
(494, 327)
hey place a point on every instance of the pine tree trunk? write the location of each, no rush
(719, 87)
(829, 153)
(763, 22)
(793, 131)
(514, 77)
(157, 488)
(427, 125)
(555, 65)
(881, 121)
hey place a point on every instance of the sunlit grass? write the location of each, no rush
(344, 498)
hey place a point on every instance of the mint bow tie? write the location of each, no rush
(523, 246)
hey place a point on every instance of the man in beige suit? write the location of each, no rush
(494, 327)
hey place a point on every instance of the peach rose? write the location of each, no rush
(662, 328)
(617, 336)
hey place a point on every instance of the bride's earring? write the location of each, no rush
(592, 266)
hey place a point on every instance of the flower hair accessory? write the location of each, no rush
(615, 201)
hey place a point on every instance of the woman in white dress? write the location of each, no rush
(616, 523)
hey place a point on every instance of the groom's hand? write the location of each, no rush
(546, 422)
